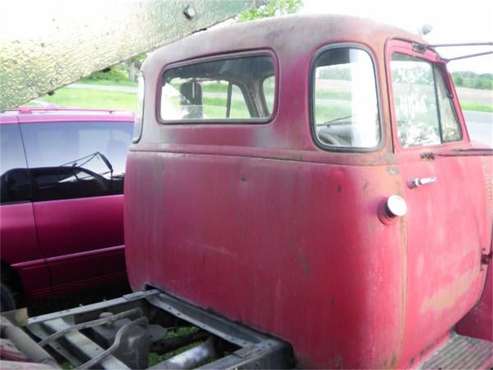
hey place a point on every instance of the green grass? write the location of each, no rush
(326, 113)
(67, 365)
(269, 91)
(478, 107)
(219, 87)
(108, 82)
(90, 98)
(238, 109)
(215, 107)
(154, 357)
(336, 95)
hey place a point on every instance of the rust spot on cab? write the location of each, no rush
(451, 293)
(393, 171)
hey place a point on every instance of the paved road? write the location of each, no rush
(480, 126)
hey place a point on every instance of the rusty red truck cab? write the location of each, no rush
(312, 178)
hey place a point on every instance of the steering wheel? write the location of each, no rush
(329, 138)
(100, 180)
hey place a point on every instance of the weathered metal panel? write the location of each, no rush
(48, 44)
(256, 223)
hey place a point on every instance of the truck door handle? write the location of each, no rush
(420, 181)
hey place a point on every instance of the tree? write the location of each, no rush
(458, 79)
(133, 65)
(473, 80)
(271, 9)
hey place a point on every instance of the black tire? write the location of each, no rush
(7, 300)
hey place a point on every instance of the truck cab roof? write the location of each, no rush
(304, 32)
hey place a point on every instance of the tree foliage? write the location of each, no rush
(271, 9)
(115, 73)
(130, 67)
(473, 80)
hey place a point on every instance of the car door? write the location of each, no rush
(447, 223)
(77, 173)
(18, 245)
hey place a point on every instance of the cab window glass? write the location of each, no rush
(345, 105)
(220, 90)
(424, 111)
(15, 185)
(74, 160)
(215, 98)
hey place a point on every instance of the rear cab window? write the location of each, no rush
(227, 89)
(424, 110)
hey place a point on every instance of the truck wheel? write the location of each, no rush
(7, 301)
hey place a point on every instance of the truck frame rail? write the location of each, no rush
(151, 329)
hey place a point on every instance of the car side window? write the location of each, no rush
(423, 108)
(344, 99)
(76, 159)
(15, 185)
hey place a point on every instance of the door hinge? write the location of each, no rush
(486, 258)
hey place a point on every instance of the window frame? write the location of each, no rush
(213, 58)
(311, 101)
(438, 69)
(139, 114)
(264, 99)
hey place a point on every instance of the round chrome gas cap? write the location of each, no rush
(396, 206)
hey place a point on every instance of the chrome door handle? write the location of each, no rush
(420, 181)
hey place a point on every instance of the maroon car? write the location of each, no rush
(61, 183)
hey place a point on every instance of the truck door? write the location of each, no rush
(447, 227)
(18, 244)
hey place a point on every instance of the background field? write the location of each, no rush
(122, 95)
(477, 104)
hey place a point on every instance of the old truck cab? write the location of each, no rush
(312, 178)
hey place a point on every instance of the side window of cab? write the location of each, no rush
(423, 106)
(344, 100)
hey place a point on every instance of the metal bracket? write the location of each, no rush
(486, 258)
(420, 181)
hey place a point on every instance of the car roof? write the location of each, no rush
(58, 114)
